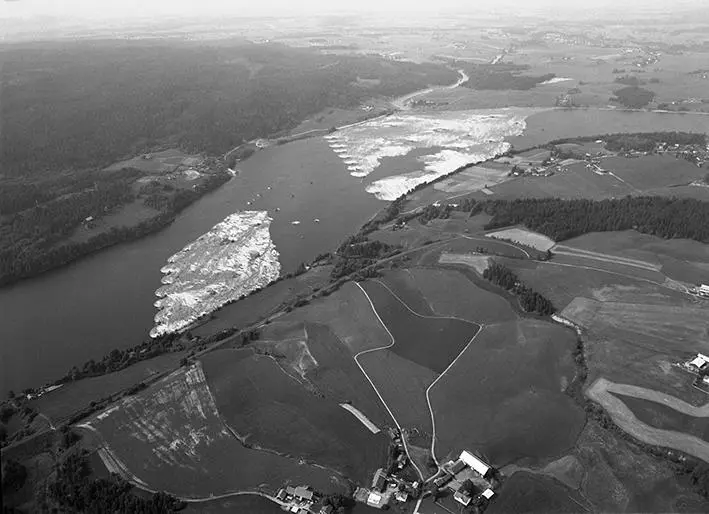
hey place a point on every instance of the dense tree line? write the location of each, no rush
(530, 300)
(14, 475)
(97, 102)
(74, 489)
(117, 360)
(357, 253)
(564, 219)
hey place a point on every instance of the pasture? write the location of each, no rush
(74, 396)
(159, 162)
(271, 409)
(171, 438)
(530, 493)
(402, 384)
(664, 417)
(450, 293)
(505, 395)
(432, 342)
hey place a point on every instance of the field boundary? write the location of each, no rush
(428, 391)
(356, 358)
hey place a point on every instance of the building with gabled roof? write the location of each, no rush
(474, 462)
(462, 498)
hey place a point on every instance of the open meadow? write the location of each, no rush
(505, 396)
(429, 341)
(171, 437)
(272, 409)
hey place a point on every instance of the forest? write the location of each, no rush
(529, 300)
(77, 105)
(76, 490)
(564, 219)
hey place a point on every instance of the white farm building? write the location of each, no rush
(474, 462)
(700, 362)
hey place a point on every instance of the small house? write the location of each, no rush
(304, 493)
(462, 498)
(700, 362)
(374, 499)
(488, 493)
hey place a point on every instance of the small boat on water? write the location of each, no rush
(295, 222)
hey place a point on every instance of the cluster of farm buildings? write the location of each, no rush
(302, 500)
(469, 479)
(701, 290)
(698, 366)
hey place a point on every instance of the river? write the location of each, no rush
(105, 301)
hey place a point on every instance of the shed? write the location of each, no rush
(488, 493)
(474, 462)
(457, 467)
(379, 480)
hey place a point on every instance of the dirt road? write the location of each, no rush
(601, 391)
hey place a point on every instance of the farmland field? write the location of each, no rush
(171, 437)
(450, 293)
(274, 410)
(402, 384)
(431, 342)
(525, 492)
(74, 396)
(511, 382)
(661, 416)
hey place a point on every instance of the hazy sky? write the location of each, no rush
(111, 9)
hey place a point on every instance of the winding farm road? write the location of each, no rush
(428, 389)
(601, 391)
(363, 352)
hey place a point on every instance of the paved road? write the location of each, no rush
(600, 391)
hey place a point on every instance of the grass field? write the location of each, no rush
(505, 395)
(74, 396)
(404, 285)
(432, 342)
(250, 504)
(273, 410)
(402, 383)
(663, 417)
(171, 437)
(450, 293)
(526, 492)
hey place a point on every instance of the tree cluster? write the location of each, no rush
(564, 219)
(14, 475)
(74, 489)
(633, 97)
(530, 300)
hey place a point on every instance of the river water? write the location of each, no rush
(105, 301)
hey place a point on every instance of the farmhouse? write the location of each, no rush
(700, 362)
(474, 462)
(303, 492)
(462, 498)
(374, 499)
